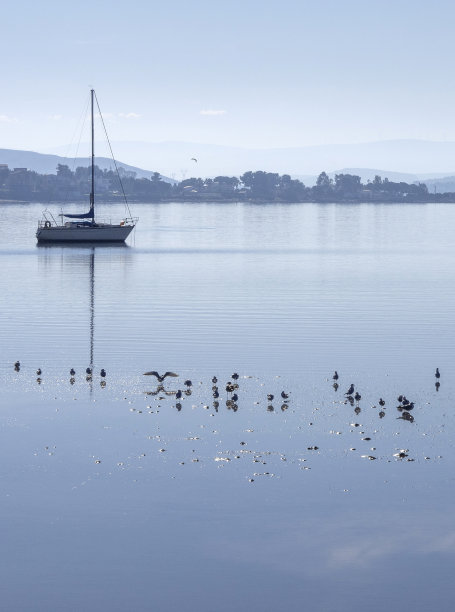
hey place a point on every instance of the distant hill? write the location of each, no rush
(424, 159)
(47, 163)
(405, 160)
(445, 184)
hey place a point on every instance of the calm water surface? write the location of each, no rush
(115, 498)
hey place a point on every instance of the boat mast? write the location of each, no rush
(92, 193)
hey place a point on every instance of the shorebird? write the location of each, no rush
(381, 402)
(158, 376)
(437, 374)
(229, 387)
(216, 394)
(357, 396)
(188, 383)
(350, 391)
(38, 372)
(88, 370)
(178, 395)
(335, 376)
(284, 395)
(234, 397)
(406, 417)
(103, 373)
(17, 366)
(270, 397)
(235, 376)
(214, 380)
(72, 371)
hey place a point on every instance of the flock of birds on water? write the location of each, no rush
(352, 396)
(232, 390)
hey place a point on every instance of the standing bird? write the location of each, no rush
(188, 383)
(284, 395)
(357, 396)
(335, 376)
(214, 380)
(17, 366)
(270, 397)
(178, 395)
(234, 397)
(38, 372)
(88, 370)
(103, 373)
(72, 372)
(437, 374)
(158, 376)
(350, 391)
(235, 376)
(216, 394)
(229, 387)
(381, 402)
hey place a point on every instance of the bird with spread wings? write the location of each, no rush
(158, 376)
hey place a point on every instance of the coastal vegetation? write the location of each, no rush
(24, 185)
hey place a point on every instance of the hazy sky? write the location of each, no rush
(245, 72)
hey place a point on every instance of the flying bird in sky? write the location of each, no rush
(194, 159)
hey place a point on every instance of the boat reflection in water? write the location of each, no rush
(72, 260)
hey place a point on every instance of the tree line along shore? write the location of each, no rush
(22, 185)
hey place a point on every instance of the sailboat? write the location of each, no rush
(86, 228)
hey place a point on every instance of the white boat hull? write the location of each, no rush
(101, 233)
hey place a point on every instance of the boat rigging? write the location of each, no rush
(87, 228)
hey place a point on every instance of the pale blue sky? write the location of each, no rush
(271, 74)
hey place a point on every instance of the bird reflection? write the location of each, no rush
(161, 389)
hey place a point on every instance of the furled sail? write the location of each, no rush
(88, 215)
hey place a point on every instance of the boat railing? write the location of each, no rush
(125, 221)
(48, 220)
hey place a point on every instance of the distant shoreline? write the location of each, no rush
(59, 203)
(21, 186)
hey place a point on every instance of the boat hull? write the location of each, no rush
(103, 233)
